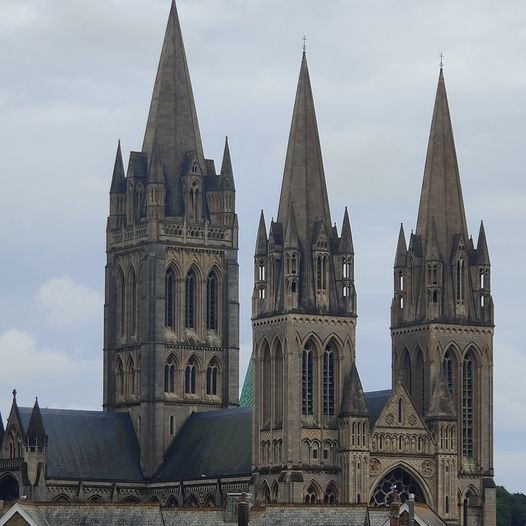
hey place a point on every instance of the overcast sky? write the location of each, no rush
(77, 76)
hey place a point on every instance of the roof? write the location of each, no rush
(77, 514)
(89, 445)
(376, 401)
(247, 393)
(212, 443)
(311, 515)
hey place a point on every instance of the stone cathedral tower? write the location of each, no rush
(171, 338)
(304, 317)
(442, 329)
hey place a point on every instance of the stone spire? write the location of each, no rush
(261, 240)
(118, 181)
(36, 434)
(346, 244)
(401, 249)
(441, 196)
(227, 174)
(173, 117)
(304, 178)
(353, 402)
(291, 235)
(482, 247)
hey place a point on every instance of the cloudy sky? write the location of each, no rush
(77, 76)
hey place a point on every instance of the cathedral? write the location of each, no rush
(173, 430)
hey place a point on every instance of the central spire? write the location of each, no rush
(172, 119)
(304, 179)
(441, 198)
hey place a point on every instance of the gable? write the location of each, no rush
(399, 412)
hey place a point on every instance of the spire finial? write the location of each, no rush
(14, 394)
(304, 43)
(441, 60)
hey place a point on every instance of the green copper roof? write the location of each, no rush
(247, 395)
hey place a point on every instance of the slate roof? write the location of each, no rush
(76, 514)
(376, 401)
(212, 443)
(89, 445)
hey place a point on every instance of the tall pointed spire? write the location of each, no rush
(304, 178)
(173, 117)
(441, 195)
(118, 181)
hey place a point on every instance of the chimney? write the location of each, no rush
(242, 511)
(411, 506)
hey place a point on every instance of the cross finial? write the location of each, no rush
(441, 60)
(14, 394)
(304, 43)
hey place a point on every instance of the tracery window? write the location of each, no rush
(190, 297)
(121, 303)
(467, 406)
(307, 406)
(328, 380)
(211, 378)
(460, 281)
(169, 375)
(131, 302)
(448, 367)
(211, 302)
(190, 374)
(169, 315)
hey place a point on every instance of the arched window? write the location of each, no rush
(328, 380)
(120, 378)
(172, 425)
(211, 302)
(419, 381)
(460, 281)
(400, 411)
(211, 378)
(278, 385)
(468, 373)
(169, 314)
(190, 377)
(307, 406)
(448, 368)
(321, 272)
(130, 377)
(266, 383)
(131, 300)
(405, 370)
(121, 303)
(169, 375)
(190, 297)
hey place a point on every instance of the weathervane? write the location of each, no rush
(304, 43)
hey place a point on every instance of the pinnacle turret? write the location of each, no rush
(431, 245)
(441, 196)
(118, 181)
(227, 174)
(353, 402)
(441, 405)
(291, 230)
(482, 247)
(156, 169)
(346, 245)
(401, 249)
(36, 434)
(261, 239)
